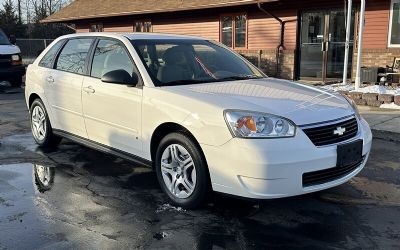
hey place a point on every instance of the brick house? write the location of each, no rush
(293, 39)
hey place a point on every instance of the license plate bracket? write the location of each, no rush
(349, 153)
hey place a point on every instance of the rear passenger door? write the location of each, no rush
(64, 86)
(112, 111)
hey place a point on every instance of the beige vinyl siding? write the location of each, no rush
(376, 24)
(82, 28)
(118, 27)
(264, 31)
(207, 27)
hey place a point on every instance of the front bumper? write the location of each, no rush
(273, 168)
(12, 72)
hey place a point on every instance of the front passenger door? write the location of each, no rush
(112, 111)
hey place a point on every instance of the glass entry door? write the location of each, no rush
(322, 45)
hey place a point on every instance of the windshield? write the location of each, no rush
(3, 39)
(182, 61)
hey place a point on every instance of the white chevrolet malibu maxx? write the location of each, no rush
(201, 115)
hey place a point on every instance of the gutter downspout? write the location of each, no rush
(282, 36)
(360, 43)
(347, 45)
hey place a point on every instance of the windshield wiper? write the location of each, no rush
(197, 81)
(239, 77)
(184, 82)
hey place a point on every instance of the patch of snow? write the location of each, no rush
(389, 106)
(367, 89)
(168, 207)
(378, 89)
(338, 87)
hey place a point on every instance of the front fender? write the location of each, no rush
(204, 121)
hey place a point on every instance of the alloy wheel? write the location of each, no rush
(178, 171)
(39, 125)
(43, 173)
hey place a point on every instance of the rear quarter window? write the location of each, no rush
(48, 59)
(72, 57)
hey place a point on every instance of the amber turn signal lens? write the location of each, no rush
(16, 63)
(248, 122)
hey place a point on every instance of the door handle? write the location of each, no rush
(89, 89)
(324, 46)
(50, 79)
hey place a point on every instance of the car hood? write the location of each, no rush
(9, 49)
(300, 103)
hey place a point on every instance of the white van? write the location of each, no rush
(11, 68)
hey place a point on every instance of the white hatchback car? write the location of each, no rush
(200, 114)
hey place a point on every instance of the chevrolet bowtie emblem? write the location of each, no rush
(339, 131)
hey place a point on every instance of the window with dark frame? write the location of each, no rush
(394, 26)
(234, 30)
(143, 26)
(96, 27)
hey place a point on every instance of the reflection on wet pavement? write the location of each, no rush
(75, 197)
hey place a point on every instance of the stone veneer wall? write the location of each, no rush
(375, 58)
(266, 61)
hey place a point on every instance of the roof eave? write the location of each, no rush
(209, 6)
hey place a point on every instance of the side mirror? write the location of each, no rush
(120, 76)
(13, 39)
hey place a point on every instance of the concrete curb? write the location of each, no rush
(385, 135)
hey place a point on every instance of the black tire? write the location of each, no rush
(47, 184)
(50, 140)
(202, 185)
(17, 82)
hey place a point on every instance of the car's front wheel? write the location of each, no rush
(182, 170)
(40, 125)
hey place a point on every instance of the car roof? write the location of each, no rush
(134, 35)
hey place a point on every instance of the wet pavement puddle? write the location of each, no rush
(75, 197)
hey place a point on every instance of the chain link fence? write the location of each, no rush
(31, 48)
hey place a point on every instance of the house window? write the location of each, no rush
(394, 26)
(143, 26)
(96, 27)
(234, 30)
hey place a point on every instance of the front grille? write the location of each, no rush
(330, 174)
(325, 135)
(5, 61)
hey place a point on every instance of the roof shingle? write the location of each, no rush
(86, 9)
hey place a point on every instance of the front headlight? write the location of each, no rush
(354, 106)
(248, 124)
(16, 59)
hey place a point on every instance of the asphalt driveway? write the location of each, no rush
(96, 201)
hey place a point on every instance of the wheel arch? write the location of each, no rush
(167, 128)
(33, 97)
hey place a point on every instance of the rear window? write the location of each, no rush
(48, 59)
(72, 58)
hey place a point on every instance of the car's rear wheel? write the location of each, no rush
(182, 171)
(40, 125)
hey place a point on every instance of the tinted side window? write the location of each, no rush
(110, 55)
(73, 56)
(47, 60)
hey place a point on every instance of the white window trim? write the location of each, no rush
(390, 45)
